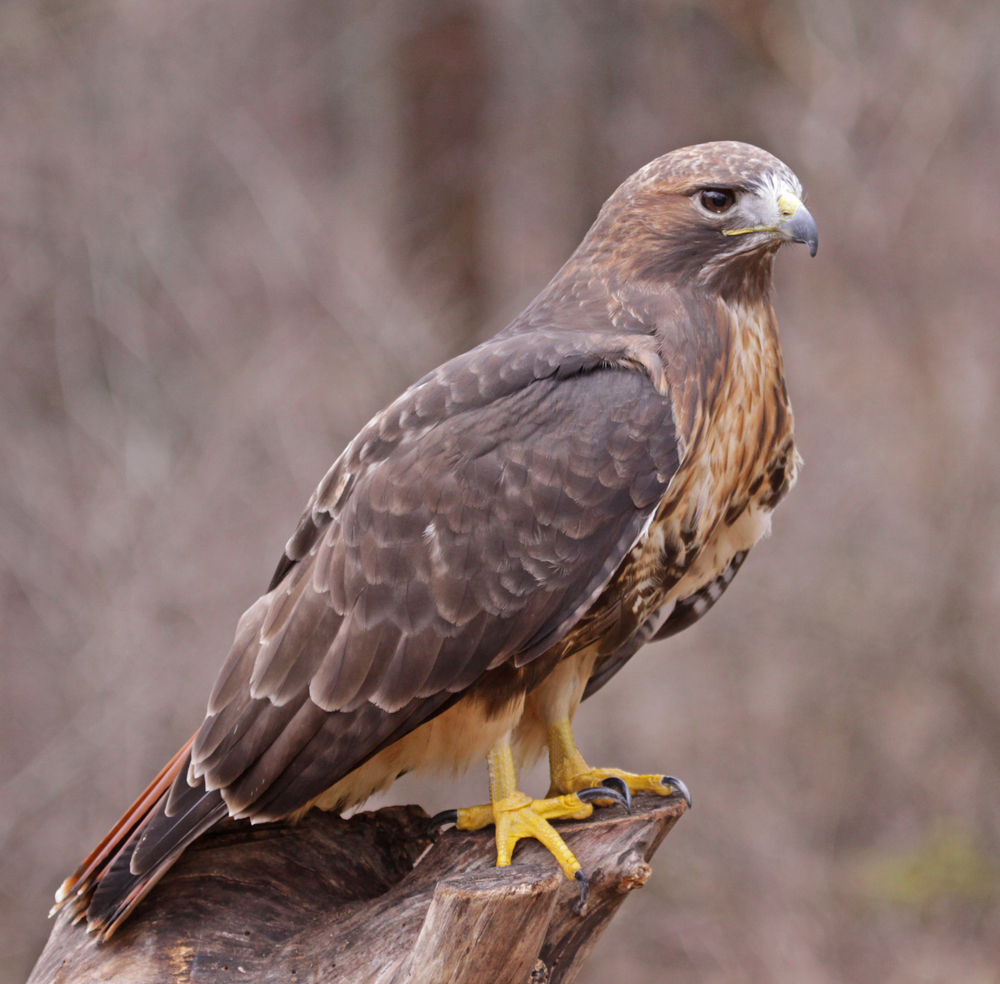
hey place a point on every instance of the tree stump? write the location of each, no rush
(374, 899)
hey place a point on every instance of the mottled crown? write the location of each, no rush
(727, 163)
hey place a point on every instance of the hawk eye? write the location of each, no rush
(718, 199)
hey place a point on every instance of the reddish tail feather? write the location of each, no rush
(106, 903)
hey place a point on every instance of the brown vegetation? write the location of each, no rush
(230, 231)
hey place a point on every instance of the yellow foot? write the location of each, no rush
(517, 816)
(570, 773)
(660, 785)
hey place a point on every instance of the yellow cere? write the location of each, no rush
(788, 205)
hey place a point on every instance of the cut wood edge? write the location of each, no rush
(487, 926)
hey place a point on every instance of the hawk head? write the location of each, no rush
(712, 215)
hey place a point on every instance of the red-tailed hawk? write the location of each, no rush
(500, 540)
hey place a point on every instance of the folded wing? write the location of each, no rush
(472, 523)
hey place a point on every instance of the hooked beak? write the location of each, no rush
(797, 225)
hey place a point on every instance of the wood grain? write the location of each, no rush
(374, 899)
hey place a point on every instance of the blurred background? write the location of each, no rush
(231, 230)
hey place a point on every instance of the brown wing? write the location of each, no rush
(471, 523)
(479, 539)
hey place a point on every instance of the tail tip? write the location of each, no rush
(64, 889)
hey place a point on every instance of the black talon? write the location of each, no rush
(604, 793)
(679, 786)
(580, 905)
(614, 782)
(442, 819)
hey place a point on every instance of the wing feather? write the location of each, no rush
(473, 523)
(258, 724)
(238, 667)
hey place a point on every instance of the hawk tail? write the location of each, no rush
(140, 848)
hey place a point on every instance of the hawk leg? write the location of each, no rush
(569, 772)
(517, 816)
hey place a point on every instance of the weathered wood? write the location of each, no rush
(374, 899)
(507, 905)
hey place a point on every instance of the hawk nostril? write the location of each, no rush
(788, 205)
